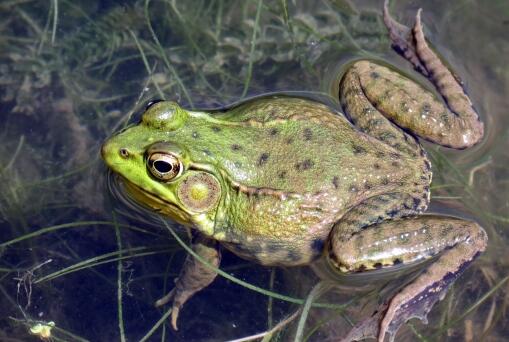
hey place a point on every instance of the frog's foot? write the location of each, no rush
(402, 243)
(403, 40)
(459, 128)
(193, 277)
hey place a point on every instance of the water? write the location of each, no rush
(71, 77)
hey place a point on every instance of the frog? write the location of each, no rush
(284, 181)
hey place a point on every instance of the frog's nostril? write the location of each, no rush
(124, 152)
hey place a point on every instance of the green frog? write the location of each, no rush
(285, 180)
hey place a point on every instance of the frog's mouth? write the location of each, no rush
(153, 202)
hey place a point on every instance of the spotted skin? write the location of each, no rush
(284, 180)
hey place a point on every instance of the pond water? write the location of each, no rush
(74, 72)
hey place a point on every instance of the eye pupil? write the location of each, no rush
(162, 166)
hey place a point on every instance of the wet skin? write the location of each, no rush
(283, 180)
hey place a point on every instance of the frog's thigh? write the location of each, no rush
(377, 209)
(456, 242)
(371, 90)
(365, 116)
(194, 275)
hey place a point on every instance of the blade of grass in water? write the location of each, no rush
(92, 262)
(472, 308)
(316, 292)
(164, 57)
(253, 46)
(157, 325)
(69, 225)
(119, 281)
(147, 67)
(55, 21)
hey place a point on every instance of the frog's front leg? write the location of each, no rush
(194, 275)
(455, 243)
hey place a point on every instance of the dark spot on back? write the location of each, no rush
(273, 247)
(308, 134)
(417, 202)
(382, 199)
(237, 164)
(366, 110)
(358, 149)
(395, 164)
(207, 152)
(397, 261)
(386, 136)
(335, 182)
(263, 159)
(395, 155)
(304, 165)
(216, 129)
(392, 212)
(236, 147)
(404, 106)
(247, 249)
(378, 265)
(282, 174)
(273, 132)
(367, 185)
(361, 268)
(289, 141)
(195, 135)
(385, 181)
(376, 166)
(374, 75)
(293, 256)
(380, 154)
(317, 245)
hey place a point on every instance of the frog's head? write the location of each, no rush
(159, 172)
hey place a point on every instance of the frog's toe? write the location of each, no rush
(174, 315)
(402, 309)
(175, 309)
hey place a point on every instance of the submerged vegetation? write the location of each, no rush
(76, 266)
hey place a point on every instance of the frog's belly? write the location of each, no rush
(280, 252)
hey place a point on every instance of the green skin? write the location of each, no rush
(282, 180)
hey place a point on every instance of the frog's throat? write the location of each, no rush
(158, 205)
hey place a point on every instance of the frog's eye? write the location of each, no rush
(151, 103)
(164, 166)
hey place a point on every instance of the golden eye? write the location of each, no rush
(164, 166)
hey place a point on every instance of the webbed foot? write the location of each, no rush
(462, 128)
(453, 242)
(193, 277)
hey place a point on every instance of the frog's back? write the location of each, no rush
(299, 146)
(295, 166)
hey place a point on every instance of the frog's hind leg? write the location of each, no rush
(193, 277)
(454, 124)
(454, 242)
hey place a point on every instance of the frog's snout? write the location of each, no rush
(106, 151)
(111, 151)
